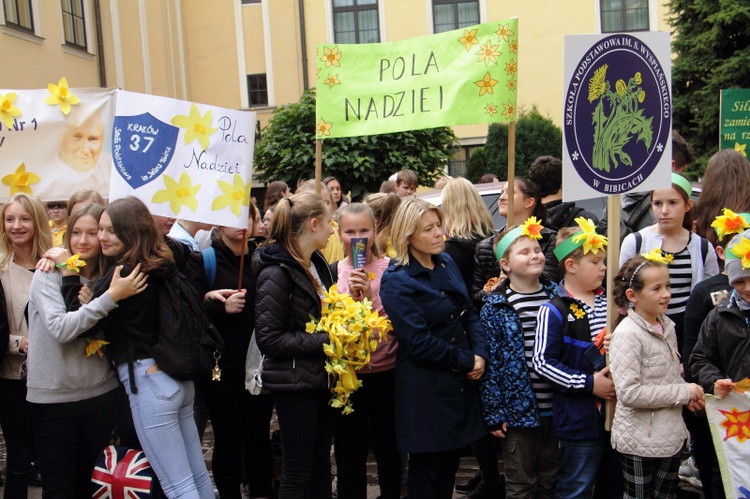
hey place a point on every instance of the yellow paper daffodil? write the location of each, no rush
(235, 195)
(72, 264)
(331, 57)
(729, 223)
(740, 148)
(196, 127)
(95, 347)
(592, 242)
(61, 95)
(668, 257)
(485, 85)
(656, 255)
(503, 32)
(178, 193)
(8, 110)
(488, 53)
(21, 180)
(352, 327)
(469, 39)
(742, 250)
(532, 228)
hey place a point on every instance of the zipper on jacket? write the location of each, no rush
(294, 362)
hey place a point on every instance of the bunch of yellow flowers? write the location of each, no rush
(351, 327)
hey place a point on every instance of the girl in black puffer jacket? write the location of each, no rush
(291, 275)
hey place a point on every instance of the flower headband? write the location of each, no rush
(531, 228)
(655, 255)
(586, 237)
(740, 251)
(730, 223)
(683, 183)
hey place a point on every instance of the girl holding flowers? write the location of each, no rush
(25, 237)
(441, 352)
(648, 428)
(516, 402)
(291, 275)
(71, 385)
(372, 422)
(690, 258)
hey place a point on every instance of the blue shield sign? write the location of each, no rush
(142, 147)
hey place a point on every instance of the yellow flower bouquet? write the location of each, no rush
(351, 327)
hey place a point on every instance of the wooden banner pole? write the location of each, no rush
(318, 165)
(511, 171)
(613, 266)
(242, 260)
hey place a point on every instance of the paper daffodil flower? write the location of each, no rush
(592, 242)
(740, 148)
(485, 85)
(196, 127)
(72, 264)
(178, 193)
(656, 255)
(742, 250)
(235, 195)
(61, 95)
(95, 347)
(532, 228)
(8, 110)
(21, 180)
(729, 223)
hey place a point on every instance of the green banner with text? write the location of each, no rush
(735, 119)
(459, 77)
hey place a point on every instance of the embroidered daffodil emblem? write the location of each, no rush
(488, 53)
(61, 95)
(235, 195)
(485, 85)
(178, 193)
(504, 32)
(324, 128)
(196, 127)
(332, 80)
(21, 180)
(331, 57)
(8, 110)
(469, 39)
(578, 312)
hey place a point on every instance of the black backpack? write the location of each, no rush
(188, 345)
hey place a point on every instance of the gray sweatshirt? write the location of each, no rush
(58, 370)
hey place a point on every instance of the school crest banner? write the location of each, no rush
(184, 160)
(734, 124)
(465, 76)
(729, 419)
(52, 147)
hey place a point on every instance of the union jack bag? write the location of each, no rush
(122, 473)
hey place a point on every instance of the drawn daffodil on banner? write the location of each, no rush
(235, 195)
(197, 127)
(457, 77)
(178, 194)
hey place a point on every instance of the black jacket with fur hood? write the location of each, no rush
(285, 301)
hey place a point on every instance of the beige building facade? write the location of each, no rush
(260, 54)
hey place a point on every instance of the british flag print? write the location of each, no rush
(121, 473)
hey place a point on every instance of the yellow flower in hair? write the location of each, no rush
(729, 223)
(656, 255)
(592, 242)
(532, 228)
(742, 250)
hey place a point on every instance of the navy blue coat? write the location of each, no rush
(437, 406)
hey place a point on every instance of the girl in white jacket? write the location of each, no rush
(648, 429)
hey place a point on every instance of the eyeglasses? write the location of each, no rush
(56, 207)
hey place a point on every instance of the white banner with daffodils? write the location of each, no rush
(729, 419)
(55, 142)
(185, 160)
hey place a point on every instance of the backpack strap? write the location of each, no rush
(209, 265)
(637, 214)
(571, 216)
(704, 249)
(334, 271)
(638, 242)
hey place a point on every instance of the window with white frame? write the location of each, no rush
(355, 21)
(19, 14)
(624, 15)
(448, 15)
(257, 90)
(74, 23)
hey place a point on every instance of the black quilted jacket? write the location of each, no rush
(285, 300)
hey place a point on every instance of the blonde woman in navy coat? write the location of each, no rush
(441, 352)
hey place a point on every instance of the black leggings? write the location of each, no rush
(69, 437)
(15, 419)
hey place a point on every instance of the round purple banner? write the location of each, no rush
(618, 114)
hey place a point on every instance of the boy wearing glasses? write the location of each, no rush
(58, 220)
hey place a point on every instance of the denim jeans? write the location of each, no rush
(579, 465)
(162, 411)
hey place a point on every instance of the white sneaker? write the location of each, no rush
(689, 473)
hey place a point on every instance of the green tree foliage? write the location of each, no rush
(286, 151)
(536, 135)
(711, 41)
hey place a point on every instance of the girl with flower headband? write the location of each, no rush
(25, 236)
(691, 258)
(372, 424)
(648, 429)
(567, 354)
(516, 401)
(71, 385)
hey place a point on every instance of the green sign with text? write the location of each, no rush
(465, 76)
(734, 124)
